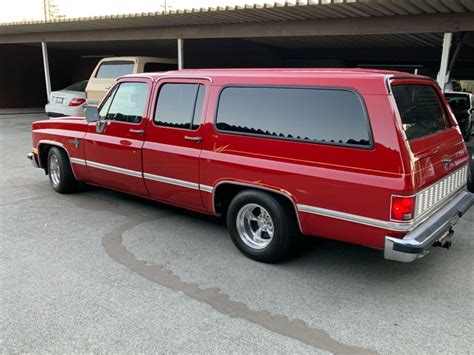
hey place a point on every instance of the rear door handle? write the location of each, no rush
(194, 139)
(141, 132)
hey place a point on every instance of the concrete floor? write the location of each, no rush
(103, 271)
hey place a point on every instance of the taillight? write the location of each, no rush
(77, 101)
(403, 208)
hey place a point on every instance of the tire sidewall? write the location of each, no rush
(280, 244)
(61, 186)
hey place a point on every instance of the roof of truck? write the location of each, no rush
(284, 73)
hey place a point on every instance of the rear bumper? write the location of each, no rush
(422, 238)
(55, 114)
(55, 110)
(33, 159)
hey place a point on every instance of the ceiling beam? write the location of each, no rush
(426, 23)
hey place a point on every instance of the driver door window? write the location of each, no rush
(126, 103)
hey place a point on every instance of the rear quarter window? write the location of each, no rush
(313, 115)
(421, 110)
(112, 70)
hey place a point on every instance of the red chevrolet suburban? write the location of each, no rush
(368, 157)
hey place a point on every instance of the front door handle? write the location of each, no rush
(194, 139)
(141, 132)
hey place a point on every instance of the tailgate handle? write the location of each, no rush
(141, 132)
(194, 139)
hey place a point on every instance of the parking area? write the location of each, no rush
(103, 271)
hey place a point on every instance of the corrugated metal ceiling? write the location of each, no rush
(302, 10)
(354, 41)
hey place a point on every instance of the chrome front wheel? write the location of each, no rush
(255, 226)
(60, 172)
(54, 170)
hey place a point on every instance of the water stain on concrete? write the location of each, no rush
(113, 243)
(221, 302)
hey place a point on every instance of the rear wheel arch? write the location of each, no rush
(225, 191)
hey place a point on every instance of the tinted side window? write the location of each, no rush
(179, 105)
(127, 103)
(112, 70)
(421, 110)
(314, 115)
(80, 86)
(154, 67)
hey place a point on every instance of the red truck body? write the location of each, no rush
(338, 192)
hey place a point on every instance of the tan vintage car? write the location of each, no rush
(109, 69)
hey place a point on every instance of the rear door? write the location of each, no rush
(173, 142)
(431, 132)
(114, 156)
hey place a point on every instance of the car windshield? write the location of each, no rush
(458, 101)
(80, 86)
(421, 110)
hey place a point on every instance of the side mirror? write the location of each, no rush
(91, 113)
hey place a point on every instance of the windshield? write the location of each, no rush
(421, 110)
(80, 86)
(458, 101)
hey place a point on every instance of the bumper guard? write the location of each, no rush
(32, 158)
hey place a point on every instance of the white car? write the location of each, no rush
(69, 101)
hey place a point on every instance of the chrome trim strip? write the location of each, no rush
(206, 188)
(167, 180)
(45, 141)
(399, 227)
(178, 76)
(77, 161)
(114, 169)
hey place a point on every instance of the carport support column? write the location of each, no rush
(47, 78)
(180, 54)
(443, 69)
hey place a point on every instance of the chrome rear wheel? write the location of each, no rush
(255, 226)
(261, 226)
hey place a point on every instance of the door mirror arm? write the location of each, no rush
(100, 126)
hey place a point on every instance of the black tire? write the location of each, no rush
(470, 173)
(284, 226)
(64, 181)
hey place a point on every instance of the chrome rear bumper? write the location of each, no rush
(32, 158)
(419, 240)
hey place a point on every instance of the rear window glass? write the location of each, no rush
(330, 116)
(154, 67)
(458, 101)
(112, 70)
(80, 86)
(421, 110)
